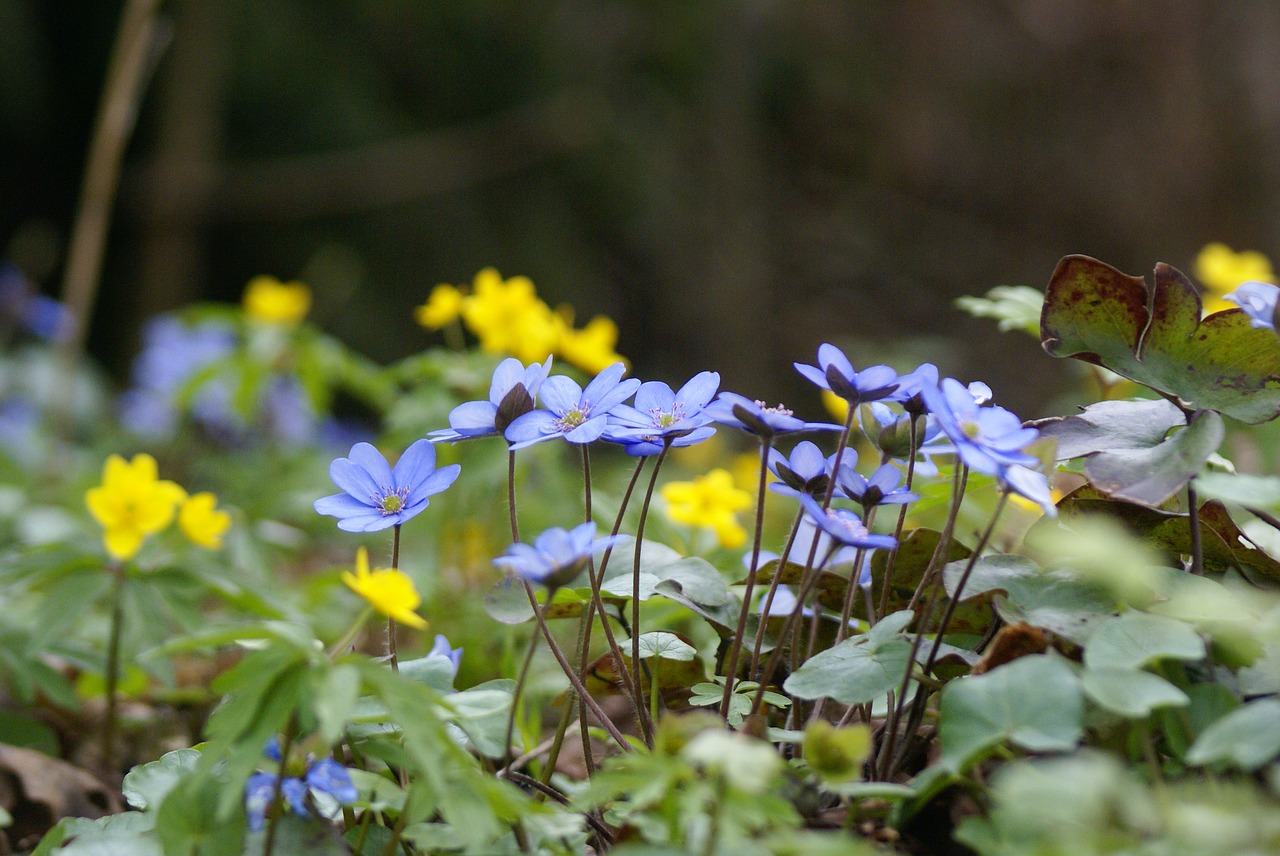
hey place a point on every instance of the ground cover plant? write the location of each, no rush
(501, 597)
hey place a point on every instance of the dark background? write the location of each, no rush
(733, 182)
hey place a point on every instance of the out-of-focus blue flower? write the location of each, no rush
(441, 648)
(807, 470)
(662, 417)
(30, 310)
(324, 776)
(19, 426)
(513, 392)
(738, 411)
(834, 372)
(578, 415)
(556, 556)
(845, 526)
(986, 438)
(376, 496)
(881, 488)
(1258, 300)
(174, 354)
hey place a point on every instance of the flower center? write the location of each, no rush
(391, 501)
(780, 410)
(663, 419)
(571, 419)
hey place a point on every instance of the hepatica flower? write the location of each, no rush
(711, 501)
(806, 470)
(324, 776)
(758, 418)
(512, 393)
(556, 556)
(377, 496)
(662, 417)
(387, 590)
(844, 526)
(1258, 300)
(270, 301)
(132, 503)
(880, 488)
(986, 438)
(576, 414)
(834, 372)
(202, 522)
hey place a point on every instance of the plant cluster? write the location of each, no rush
(942, 627)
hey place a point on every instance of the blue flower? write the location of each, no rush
(803, 544)
(1031, 485)
(834, 372)
(325, 776)
(556, 556)
(882, 488)
(40, 315)
(805, 471)
(173, 367)
(578, 415)
(441, 649)
(986, 438)
(512, 393)
(662, 417)
(1258, 300)
(738, 411)
(844, 526)
(376, 496)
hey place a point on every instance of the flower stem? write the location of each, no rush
(392, 657)
(735, 649)
(511, 497)
(892, 559)
(636, 664)
(112, 677)
(767, 608)
(569, 672)
(584, 621)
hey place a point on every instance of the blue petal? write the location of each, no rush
(374, 463)
(415, 465)
(654, 395)
(473, 415)
(829, 356)
(436, 482)
(699, 390)
(533, 427)
(615, 396)
(374, 521)
(589, 431)
(603, 383)
(354, 479)
(341, 505)
(508, 373)
(560, 394)
(330, 777)
(815, 376)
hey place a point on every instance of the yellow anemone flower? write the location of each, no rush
(443, 307)
(1221, 271)
(711, 501)
(387, 590)
(508, 317)
(271, 301)
(592, 347)
(202, 522)
(132, 503)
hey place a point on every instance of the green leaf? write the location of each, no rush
(146, 786)
(1247, 490)
(1034, 703)
(1130, 692)
(1247, 738)
(1095, 313)
(668, 646)
(1015, 307)
(1112, 426)
(1136, 639)
(333, 698)
(858, 669)
(298, 836)
(481, 712)
(1150, 476)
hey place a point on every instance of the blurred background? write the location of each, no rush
(733, 181)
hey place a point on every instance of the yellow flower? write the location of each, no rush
(271, 301)
(508, 317)
(387, 590)
(836, 406)
(592, 347)
(711, 501)
(443, 307)
(1221, 271)
(132, 503)
(202, 522)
